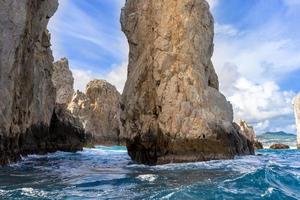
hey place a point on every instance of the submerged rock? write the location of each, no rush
(99, 111)
(297, 117)
(63, 81)
(26, 89)
(172, 109)
(279, 146)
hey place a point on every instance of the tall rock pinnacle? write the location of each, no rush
(297, 117)
(172, 109)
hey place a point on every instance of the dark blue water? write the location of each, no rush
(107, 173)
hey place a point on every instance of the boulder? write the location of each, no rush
(172, 110)
(27, 108)
(297, 117)
(98, 109)
(279, 146)
(63, 81)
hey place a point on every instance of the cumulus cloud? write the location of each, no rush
(252, 60)
(259, 102)
(264, 105)
(117, 77)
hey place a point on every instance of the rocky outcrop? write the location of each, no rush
(172, 109)
(258, 145)
(99, 111)
(63, 81)
(28, 121)
(297, 117)
(279, 146)
(249, 133)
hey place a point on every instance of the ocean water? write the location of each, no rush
(278, 137)
(108, 173)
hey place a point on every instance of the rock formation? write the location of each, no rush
(28, 119)
(63, 81)
(297, 117)
(258, 145)
(99, 111)
(279, 146)
(172, 109)
(249, 133)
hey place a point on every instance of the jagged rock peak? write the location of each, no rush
(248, 131)
(63, 81)
(99, 111)
(172, 109)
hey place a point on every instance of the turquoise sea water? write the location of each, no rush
(108, 173)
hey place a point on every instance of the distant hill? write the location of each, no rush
(270, 138)
(279, 133)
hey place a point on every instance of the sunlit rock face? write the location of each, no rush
(172, 109)
(297, 117)
(99, 111)
(26, 90)
(63, 81)
(249, 133)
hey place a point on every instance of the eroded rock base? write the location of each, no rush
(153, 149)
(62, 135)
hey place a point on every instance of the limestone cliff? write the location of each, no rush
(172, 109)
(27, 106)
(63, 81)
(297, 117)
(99, 111)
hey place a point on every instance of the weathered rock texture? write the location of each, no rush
(172, 109)
(249, 133)
(63, 81)
(99, 111)
(27, 116)
(297, 117)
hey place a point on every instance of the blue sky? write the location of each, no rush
(257, 52)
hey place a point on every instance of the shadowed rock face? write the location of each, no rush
(63, 81)
(27, 116)
(99, 111)
(172, 109)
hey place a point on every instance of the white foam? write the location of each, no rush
(147, 177)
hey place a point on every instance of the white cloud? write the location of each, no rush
(117, 77)
(213, 3)
(225, 29)
(259, 102)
